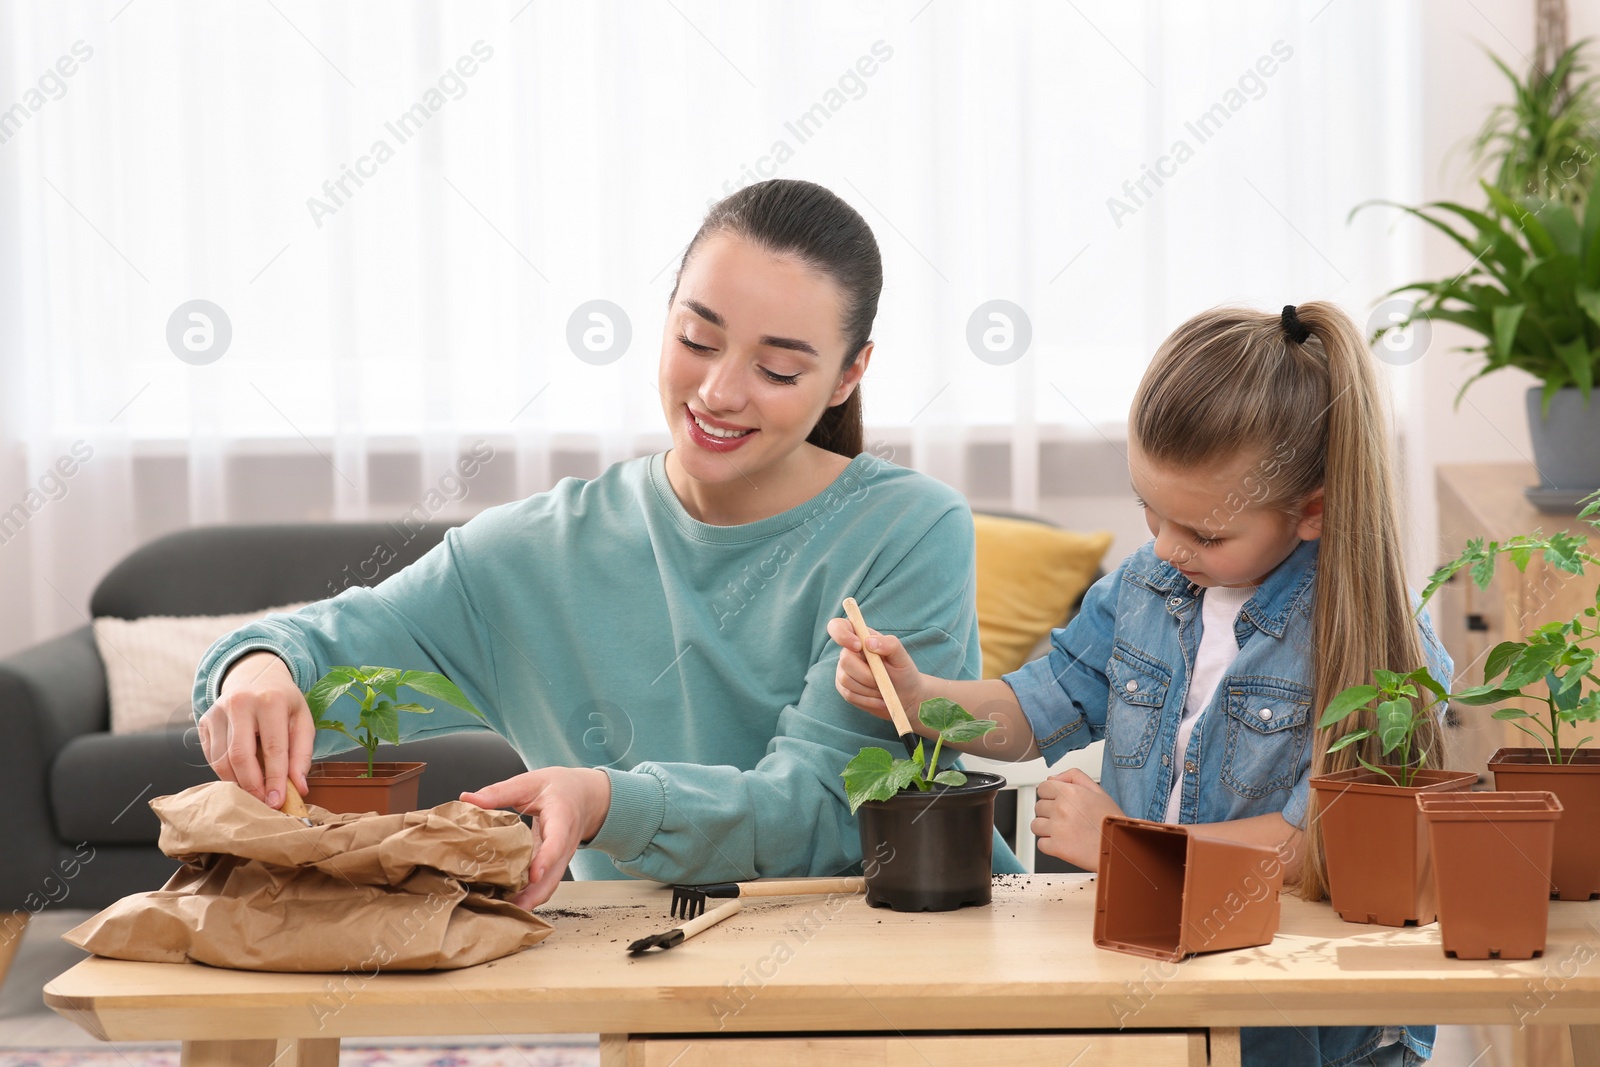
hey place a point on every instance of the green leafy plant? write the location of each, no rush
(380, 712)
(1556, 660)
(1531, 291)
(1543, 142)
(874, 774)
(1399, 709)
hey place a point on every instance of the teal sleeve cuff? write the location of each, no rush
(638, 807)
(213, 678)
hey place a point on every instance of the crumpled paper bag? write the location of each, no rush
(261, 891)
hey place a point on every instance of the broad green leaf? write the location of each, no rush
(940, 714)
(875, 775)
(1500, 657)
(1505, 714)
(383, 720)
(1395, 724)
(329, 688)
(950, 777)
(1357, 696)
(1531, 665)
(1424, 677)
(440, 688)
(967, 731)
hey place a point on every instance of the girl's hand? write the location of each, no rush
(854, 678)
(568, 803)
(260, 731)
(1067, 817)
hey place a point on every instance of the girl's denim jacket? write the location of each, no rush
(1120, 671)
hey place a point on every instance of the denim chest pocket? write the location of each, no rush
(1138, 692)
(1269, 727)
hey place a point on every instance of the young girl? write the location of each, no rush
(1258, 451)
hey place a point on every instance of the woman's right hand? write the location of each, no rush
(259, 712)
(854, 678)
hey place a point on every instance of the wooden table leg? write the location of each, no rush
(13, 924)
(613, 1050)
(284, 1052)
(1224, 1046)
(1585, 1046)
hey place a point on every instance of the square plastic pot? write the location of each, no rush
(1491, 859)
(1575, 868)
(931, 851)
(1380, 868)
(341, 787)
(1167, 892)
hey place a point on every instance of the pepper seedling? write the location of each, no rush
(875, 774)
(1400, 712)
(380, 714)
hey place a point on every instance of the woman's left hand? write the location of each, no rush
(1067, 817)
(569, 804)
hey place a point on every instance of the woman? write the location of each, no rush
(672, 610)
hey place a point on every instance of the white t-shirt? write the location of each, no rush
(1219, 609)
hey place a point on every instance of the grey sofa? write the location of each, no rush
(77, 831)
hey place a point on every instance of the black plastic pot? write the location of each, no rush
(930, 851)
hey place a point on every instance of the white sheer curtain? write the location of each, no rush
(399, 209)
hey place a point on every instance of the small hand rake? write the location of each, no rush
(689, 901)
(682, 933)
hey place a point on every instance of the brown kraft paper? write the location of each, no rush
(262, 891)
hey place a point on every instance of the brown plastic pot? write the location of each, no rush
(1491, 858)
(930, 851)
(1380, 869)
(1575, 870)
(1167, 892)
(342, 787)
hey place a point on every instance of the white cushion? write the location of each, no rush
(151, 663)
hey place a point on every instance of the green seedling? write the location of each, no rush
(874, 774)
(1399, 709)
(380, 714)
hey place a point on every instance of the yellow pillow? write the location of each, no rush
(1029, 575)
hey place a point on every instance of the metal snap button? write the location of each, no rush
(1166, 761)
(1265, 713)
(1132, 687)
(1189, 766)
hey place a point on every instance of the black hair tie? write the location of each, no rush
(1293, 326)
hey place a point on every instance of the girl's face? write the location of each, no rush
(1207, 522)
(751, 356)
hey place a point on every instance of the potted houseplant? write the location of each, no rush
(1506, 915)
(1554, 667)
(1376, 848)
(1532, 288)
(385, 788)
(929, 832)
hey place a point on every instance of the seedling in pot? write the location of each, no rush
(874, 774)
(1400, 712)
(1552, 665)
(380, 714)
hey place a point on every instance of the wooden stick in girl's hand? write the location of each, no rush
(901, 724)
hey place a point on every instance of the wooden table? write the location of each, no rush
(830, 980)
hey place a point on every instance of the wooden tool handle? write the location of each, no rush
(879, 671)
(710, 918)
(793, 887)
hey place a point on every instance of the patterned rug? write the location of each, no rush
(349, 1056)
